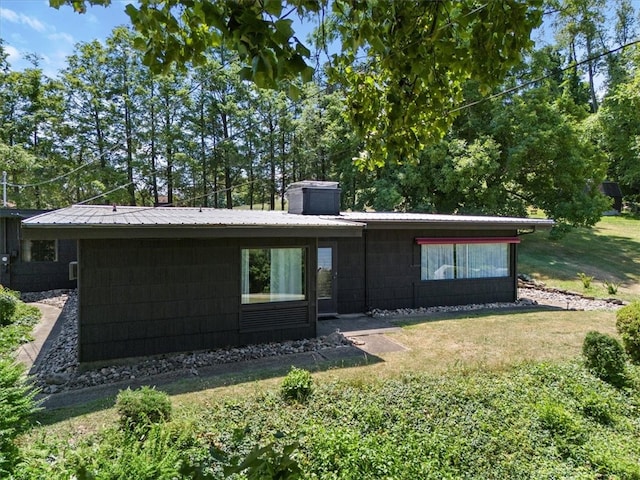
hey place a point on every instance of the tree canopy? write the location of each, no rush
(401, 64)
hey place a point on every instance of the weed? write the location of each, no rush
(297, 385)
(612, 287)
(586, 280)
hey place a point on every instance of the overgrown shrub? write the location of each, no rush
(142, 407)
(8, 305)
(604, 357)
(297, 385)
(17, 404)
(628, 325)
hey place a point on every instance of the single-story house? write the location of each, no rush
(30, 265)
(165, 279)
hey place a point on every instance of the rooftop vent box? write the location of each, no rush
(314, 198)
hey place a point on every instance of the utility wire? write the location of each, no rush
(544, 77)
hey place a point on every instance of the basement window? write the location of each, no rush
(39, 251)
(273, 275)
(460, 258)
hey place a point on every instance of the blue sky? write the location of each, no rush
(32, 26)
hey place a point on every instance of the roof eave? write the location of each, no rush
(44, 231)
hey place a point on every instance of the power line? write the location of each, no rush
(544, 77)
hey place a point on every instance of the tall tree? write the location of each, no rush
(402, 64)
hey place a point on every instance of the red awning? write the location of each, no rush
(475, 240)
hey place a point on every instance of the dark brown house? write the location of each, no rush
(158, 280)
(32, 265)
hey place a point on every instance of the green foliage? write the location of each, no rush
(297, 385)
(156, 453)
(628, 325)
(18, 330)
(8, 304)
(611, 286)
(604, 357)
(268, 462)
(17, 404)
(142, 407)
(585, 279)
(532, 421)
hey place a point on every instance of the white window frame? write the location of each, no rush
(287, 278)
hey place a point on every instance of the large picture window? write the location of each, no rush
(273, 274)
(458, 259)
(39, 251)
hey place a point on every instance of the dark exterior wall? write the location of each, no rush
(34, 276)
(147, 297)
(350, 275)
(390, 277)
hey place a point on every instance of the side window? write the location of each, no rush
(464, 260)
(39, 251)
(273, 274)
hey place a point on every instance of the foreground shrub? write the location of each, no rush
(604, 357)
(297, 385)
(17, 404)
(628, 325)
(142, 407)
(19, 330)
(8, 304)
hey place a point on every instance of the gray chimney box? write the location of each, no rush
(311, 197)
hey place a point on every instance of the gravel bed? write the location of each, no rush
(59, 370)
(528, 294)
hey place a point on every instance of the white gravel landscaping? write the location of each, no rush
(59, 370)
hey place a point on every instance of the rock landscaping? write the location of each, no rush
(59, 371)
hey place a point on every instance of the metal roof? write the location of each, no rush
(101, 221)
(439, 220)
(101, 215)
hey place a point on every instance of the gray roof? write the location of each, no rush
(444, 221)
(100, 221)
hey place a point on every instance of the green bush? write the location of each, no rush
(628, 325)
(604, 357)
(297, 385)
(142, 407)
(17, 404)
(8, 305)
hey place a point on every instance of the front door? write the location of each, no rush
(327, 279)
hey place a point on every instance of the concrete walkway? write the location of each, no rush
(44, 332)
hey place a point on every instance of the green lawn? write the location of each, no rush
(609, 251)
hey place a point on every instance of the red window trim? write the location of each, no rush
(463, 240)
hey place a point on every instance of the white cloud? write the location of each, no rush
(64, 37)
(13, 17)
(13, 53)
(9, 15)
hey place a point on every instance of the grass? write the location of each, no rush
(609, 251)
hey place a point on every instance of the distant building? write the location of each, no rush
(612, 190)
